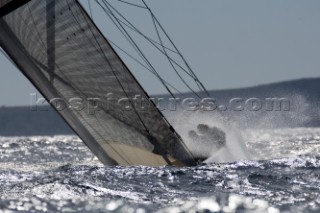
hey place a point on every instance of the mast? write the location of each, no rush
(7, 6)
(64, 54)
(18, 54)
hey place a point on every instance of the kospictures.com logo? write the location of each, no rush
(140, 103)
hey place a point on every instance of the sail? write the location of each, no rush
(62, 52)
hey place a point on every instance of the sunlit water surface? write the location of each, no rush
(50, 174)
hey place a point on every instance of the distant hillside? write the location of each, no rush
(304, 96)
(304, 103)
(309, 86)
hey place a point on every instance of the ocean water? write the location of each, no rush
(50, 174)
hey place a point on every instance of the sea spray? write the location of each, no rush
(234, 149)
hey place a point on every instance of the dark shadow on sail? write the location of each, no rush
(60, 50)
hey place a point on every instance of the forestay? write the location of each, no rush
(61, 51)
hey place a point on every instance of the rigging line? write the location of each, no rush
(123, 153)
(92, 19)
(138, 115)
(128, 39)
(71, 87)
(100, 51)
(144, 66)
(62, 72)
(37, 32)
(62, 80)
(119, 82)
(137, 50)
(168, 37)
(132, 27)
(98, 120)
(39, 36)
(151, 68)
(113, 19)
(168, 57)
(173, 67)
(136, 5)
(198, 82)
(182, 57)
(135, 29)
(147, 39)
(190, 70)
(177, 64)
(130, 42)
(142, 53)
(137, 47)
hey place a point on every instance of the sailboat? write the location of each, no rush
(60, 49)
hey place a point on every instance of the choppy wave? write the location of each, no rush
(50, 174)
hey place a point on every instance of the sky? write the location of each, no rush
(229, 44)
